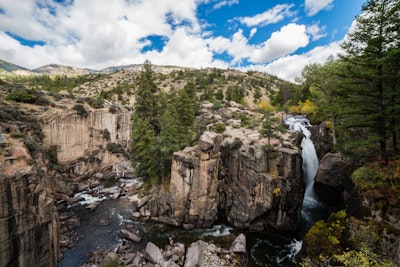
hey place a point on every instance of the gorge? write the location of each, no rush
(235, 179)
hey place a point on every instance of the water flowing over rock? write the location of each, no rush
(232, 178)
(29, 225)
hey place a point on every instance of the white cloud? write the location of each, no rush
(290, 67)
(273, 15)
(94, 33)
(225, 3)
(285, 41)
(314, 6)
(316, 31)
(252, 32)
(101, 33)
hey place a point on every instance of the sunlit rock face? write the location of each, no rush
(29, 225)
(235, 179)
(75, 135)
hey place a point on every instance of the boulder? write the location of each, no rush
(154, 254)
(195, 254)
(128, 235)
(239, 244)
(332, 177)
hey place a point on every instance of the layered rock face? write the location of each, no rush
(75, 135)
(261, 189)
(29, 224)
(89, 144)
(229, 178)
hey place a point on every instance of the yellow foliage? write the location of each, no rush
(307, 107)
(294, 109)
(266, 106)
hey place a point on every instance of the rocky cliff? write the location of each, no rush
(101, 137)
(29, 225)
(232, 176)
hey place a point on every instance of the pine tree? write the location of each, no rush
(324, 81)
(368, 54)
(147, 104)
(143, 150)
(145, 125)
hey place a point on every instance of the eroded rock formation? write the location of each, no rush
(233, 178)
(29, 225)
(101, 138)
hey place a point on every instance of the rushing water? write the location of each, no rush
(272, 249)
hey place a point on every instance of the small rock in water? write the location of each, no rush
(125, 234)
(93, 206)
(104, 221)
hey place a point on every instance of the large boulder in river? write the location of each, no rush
(332, 177)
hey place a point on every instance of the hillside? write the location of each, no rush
(116, 84)
(9, 67)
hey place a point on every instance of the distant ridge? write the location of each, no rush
(56, 69)
(9, 67)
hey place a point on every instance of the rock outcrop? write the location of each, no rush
(332, 178)
(234, 178)
(29, 225)
(88, 144)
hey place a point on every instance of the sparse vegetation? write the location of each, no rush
(80, 110)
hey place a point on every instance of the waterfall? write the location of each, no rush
(309, 155)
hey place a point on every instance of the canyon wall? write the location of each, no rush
(75, 135)
(233, 179)
(29, 225)
(88, 144)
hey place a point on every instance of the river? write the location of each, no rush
(272, 249)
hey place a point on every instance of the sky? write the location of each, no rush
(278, 37)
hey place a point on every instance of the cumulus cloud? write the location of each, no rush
(94, 32)
(314, 6)
(101, 33)
(290, 67)
(273, 15)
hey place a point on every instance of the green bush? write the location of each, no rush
(106, 134)
(27, 96)
(116, 148)
(219, 127)
(95, 102)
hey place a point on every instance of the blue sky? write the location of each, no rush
(274, 36)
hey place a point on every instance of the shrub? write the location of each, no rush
(27, 96)
(236, 144)
(116, 148)
(80, 110)
(95, 102)
(113, 109)
(217, 104)
(219, 127)
(106, 134)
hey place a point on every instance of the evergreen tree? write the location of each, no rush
(184, 106)
(324, 81)
(368, 56)
(145, 125)
(147, 104)
(143, 149)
